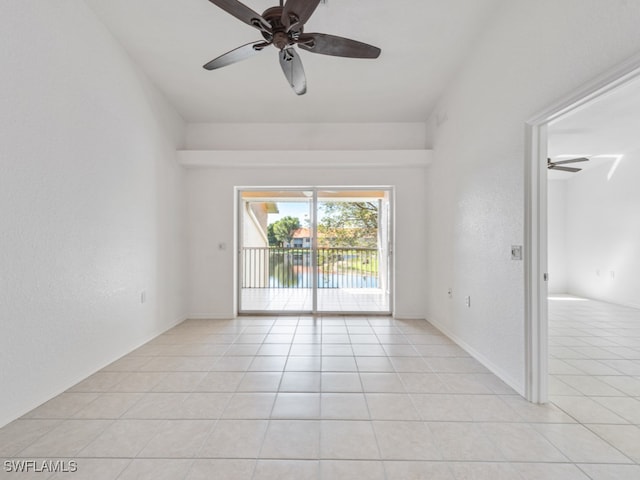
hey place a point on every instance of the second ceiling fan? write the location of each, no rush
(560, 165)
(283, 27)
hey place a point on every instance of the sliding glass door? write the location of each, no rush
(308, 250)
(352, 251)
(275, 262)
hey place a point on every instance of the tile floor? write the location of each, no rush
(342, 398)
(594, 366)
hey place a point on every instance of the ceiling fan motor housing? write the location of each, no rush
(279, 36)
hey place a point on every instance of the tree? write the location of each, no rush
(349, 224)
(282, 230)
(271, 236)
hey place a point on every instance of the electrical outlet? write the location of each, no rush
(467, 301)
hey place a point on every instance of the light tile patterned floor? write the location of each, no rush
(594, 365)
(336, 398)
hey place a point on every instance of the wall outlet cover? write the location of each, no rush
(516, 252)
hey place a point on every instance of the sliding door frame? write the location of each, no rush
(389, 224)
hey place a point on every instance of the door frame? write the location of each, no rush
(390, 226)
(535, 235)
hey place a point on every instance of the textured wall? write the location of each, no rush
(557, 235)
(306, 136)
(91, 201)
(603, 232)
(211, 221)
(532, 53)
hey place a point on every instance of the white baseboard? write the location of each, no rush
(205, 316)
(495, 369)
(399, 316)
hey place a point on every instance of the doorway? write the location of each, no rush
(536, 221)
(315, 250)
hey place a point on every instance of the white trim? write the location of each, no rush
(536, 321)
(313, 216)
(304, 158)
(596, 88)
(409, 316)
(535, 256)
(203, 316)
(237, 248)
(238, 190)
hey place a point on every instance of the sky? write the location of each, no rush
(291, 209)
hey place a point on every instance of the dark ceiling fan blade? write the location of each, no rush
(243, 13)
(236, 55)
(337, 46)
(564, 169)
(302, 9)
(572, 160)
(293, 70)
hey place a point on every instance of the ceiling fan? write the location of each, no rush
(557, 165)
(283, 27)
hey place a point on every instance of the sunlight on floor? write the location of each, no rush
(566, 298)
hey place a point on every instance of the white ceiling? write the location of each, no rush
(422, 42)
(602, 130)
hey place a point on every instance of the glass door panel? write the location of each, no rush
(352, 251)
(276, 251)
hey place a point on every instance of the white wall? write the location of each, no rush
(91, 202)
(531, 54)
(307, 136)
(603, 233)
(211, 222)
(556, 238)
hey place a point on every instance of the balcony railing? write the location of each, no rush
(275, 267)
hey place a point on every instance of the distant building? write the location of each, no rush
(338, 238)
(301, 239)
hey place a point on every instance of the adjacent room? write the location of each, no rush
(594, 233)
(153, 323)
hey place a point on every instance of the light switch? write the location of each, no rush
(516, 252)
